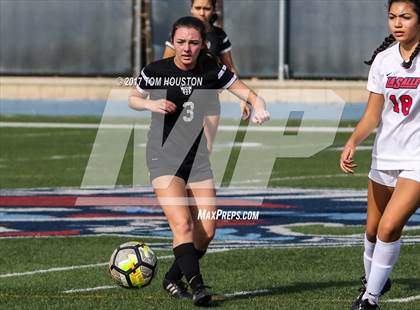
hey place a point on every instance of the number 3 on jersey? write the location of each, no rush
(189, 111)
(406, 102)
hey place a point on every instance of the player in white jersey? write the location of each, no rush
(394, 179)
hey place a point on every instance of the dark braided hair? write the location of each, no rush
(385, 44)
(407, 64)
(390, 39)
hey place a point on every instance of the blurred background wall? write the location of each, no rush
(321, 38)
(66, 37)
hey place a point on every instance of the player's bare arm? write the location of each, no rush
(243, 92)
(364, 128)
(139, 102)
(227, 59)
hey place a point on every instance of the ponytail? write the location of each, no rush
(407, 65)
(385, 44)
(213, 19)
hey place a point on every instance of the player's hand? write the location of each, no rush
(260, 116)
(162, 106)
(245, 109)
(347, 163)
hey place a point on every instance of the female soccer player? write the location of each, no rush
(219, 45)
(394, 179)
(180, 90)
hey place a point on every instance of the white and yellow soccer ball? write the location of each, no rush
(133, 264)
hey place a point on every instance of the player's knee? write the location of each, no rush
(204, 237)
(371, 235)
(210, 234)
(183, 228)
(389, 231)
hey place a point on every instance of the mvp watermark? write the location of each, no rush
(303, 123)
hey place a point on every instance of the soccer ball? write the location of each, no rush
(133, 264)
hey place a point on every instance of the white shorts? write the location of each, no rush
(389, 177)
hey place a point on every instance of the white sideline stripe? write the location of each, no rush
(303, 177)
(407, 299)
(91, 289)
(225, 192)
(67, 125)
(359, 148)
(146, 127)
(256, 292)
(306, 177)
(234, 294)
(247, 293)
(19, 274)
(242, 293)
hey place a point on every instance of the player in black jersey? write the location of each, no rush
(218, 44)
(179, 91)
(217, 41)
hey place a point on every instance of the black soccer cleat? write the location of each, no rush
(177, 289)
(356, 303)
(366, 305)
(201, 297)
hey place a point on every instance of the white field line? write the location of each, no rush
(247, 293)
(407, 299)
(54, 157)
(18, 274)
(303, 177)
(107, 287)
(322, 176)
(359, 148)
(234, 294)
(59, 125)
(27, 273)
(147, 190)
(146, 127)
(84, 236)
(221, 246)
(258, 292)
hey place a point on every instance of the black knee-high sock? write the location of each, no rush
(200, 253)
(187, 260)
(174, 273)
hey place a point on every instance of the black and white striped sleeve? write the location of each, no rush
(225, 78)
(168, 43)
(143, 85)
(226, 46)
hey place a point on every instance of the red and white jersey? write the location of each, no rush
(397, 143)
